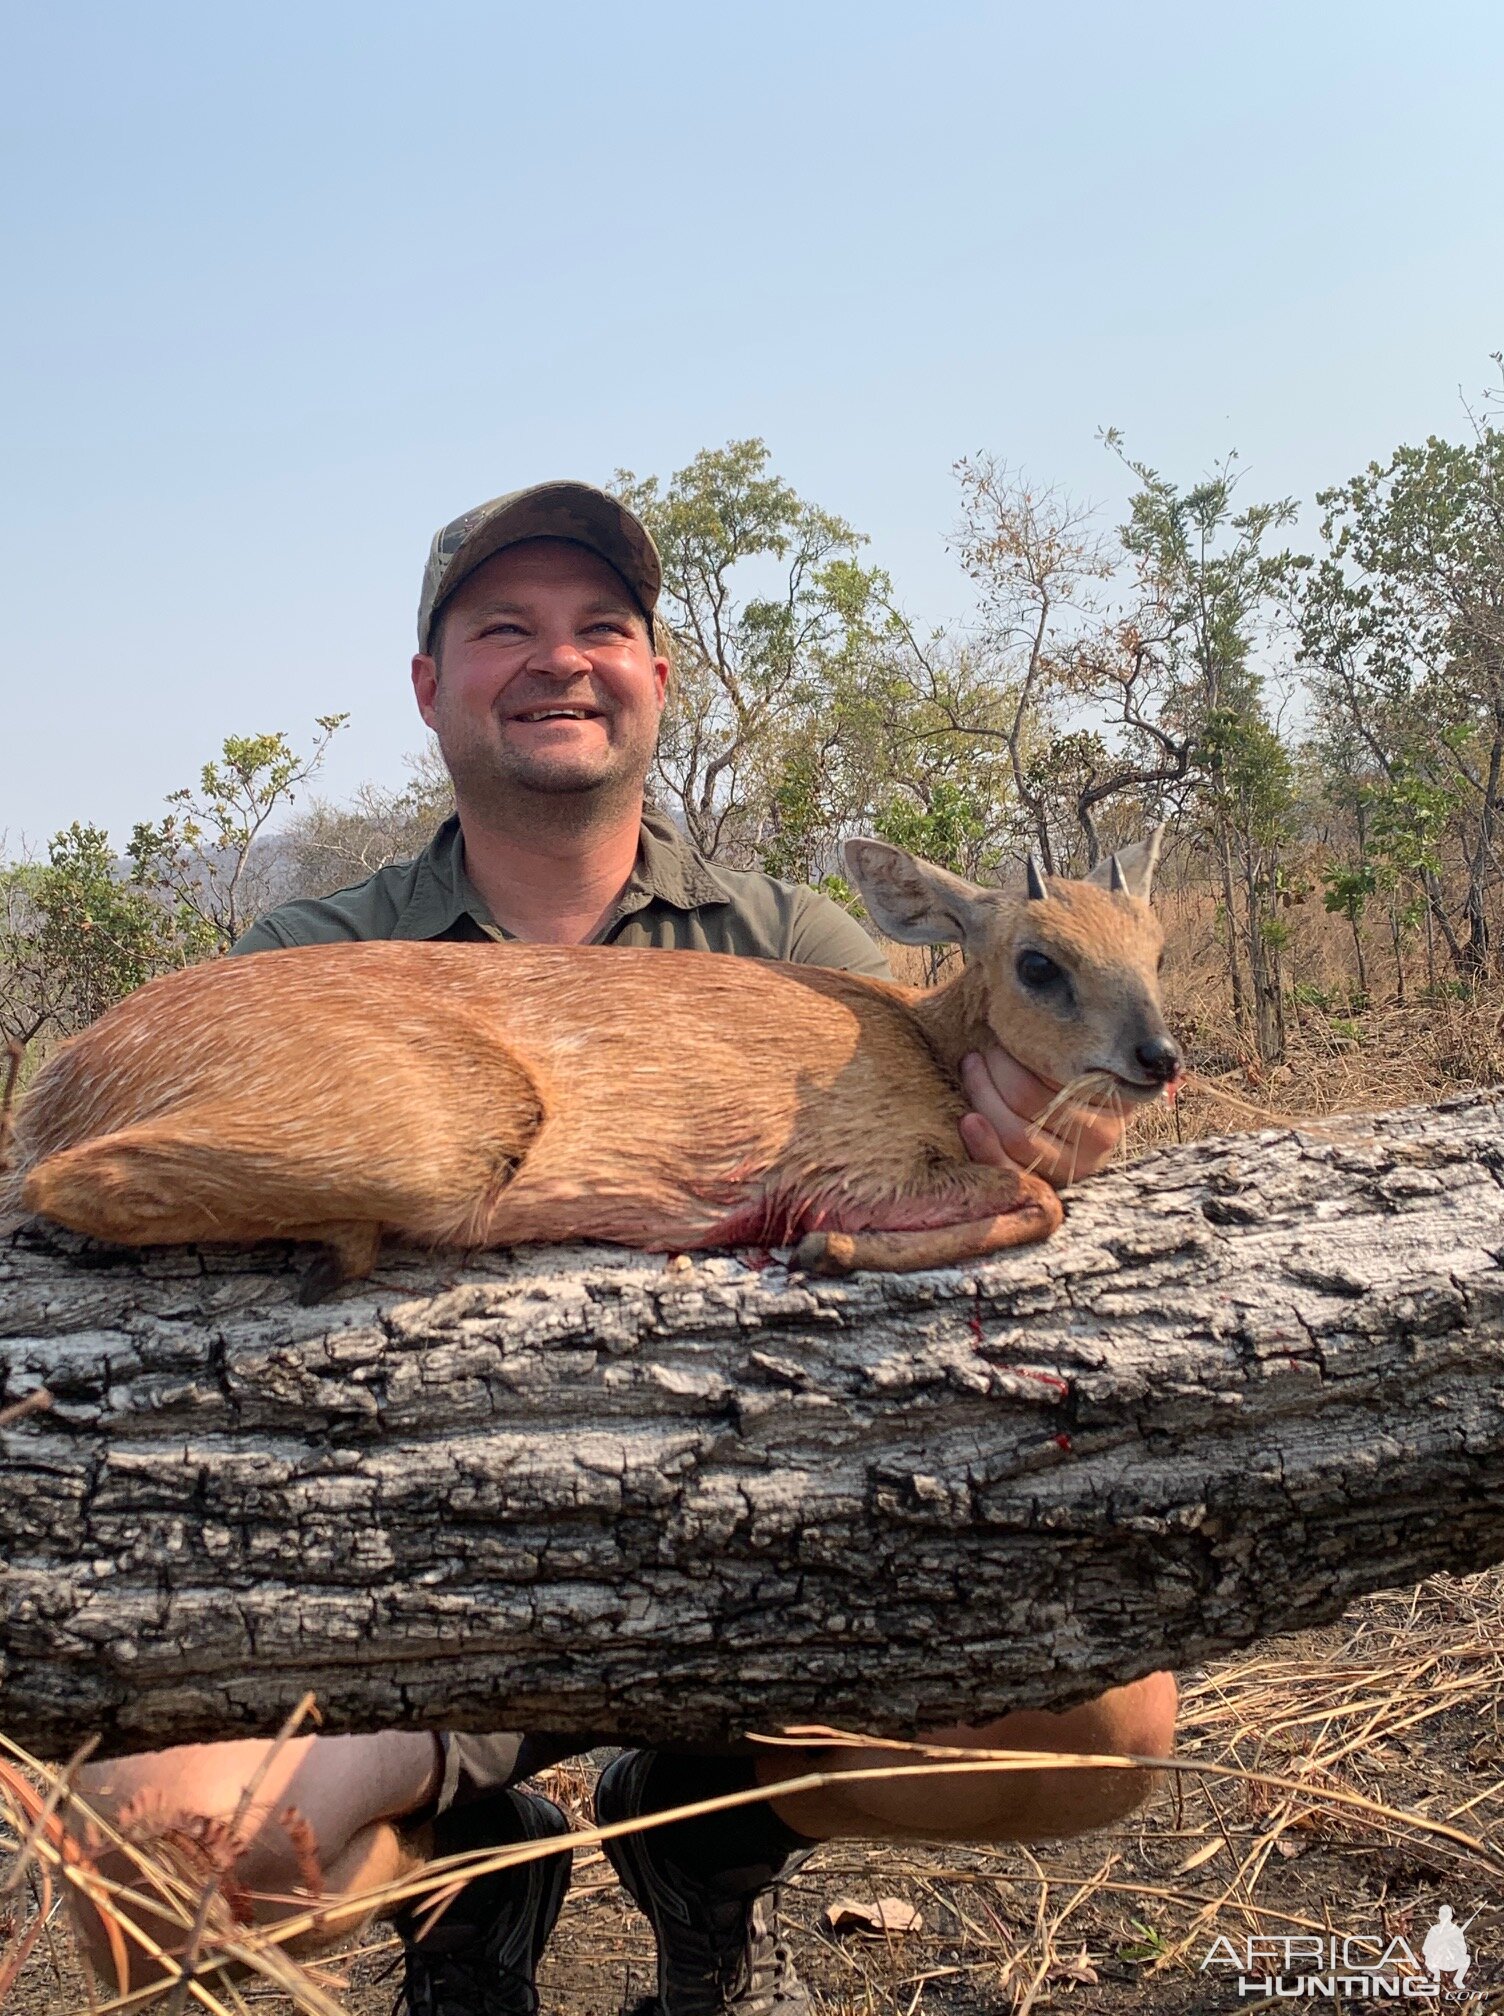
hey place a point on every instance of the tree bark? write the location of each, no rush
(610, 1495)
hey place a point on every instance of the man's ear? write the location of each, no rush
(425, 685)
(1136, 865)
(913, 900)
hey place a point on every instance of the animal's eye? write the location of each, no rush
(1037, 969)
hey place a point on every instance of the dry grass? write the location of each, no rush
(1343, 1054)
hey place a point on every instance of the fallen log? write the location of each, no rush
(610, 1495)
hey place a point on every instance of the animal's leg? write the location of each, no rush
(146, 1187)
(424, 1169)
(1035, 1216)
(155, 1186)
(143, 1186)
(349, 1255)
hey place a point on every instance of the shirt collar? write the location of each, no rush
(668, 870)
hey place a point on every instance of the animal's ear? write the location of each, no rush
(913, 900)
(1135, 867)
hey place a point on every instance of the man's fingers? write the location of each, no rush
(994, 1134)
(995, 1072)
(1020, 1114)
(982, 1142)
(1092, 1130)
(1034, 1098)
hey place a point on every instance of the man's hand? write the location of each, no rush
(1007, 1101)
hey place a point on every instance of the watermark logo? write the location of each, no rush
(1347, 1966)
(1444, 1948)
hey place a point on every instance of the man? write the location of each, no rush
(538, 672)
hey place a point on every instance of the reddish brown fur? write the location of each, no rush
(474, 1096)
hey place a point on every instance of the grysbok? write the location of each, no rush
(478, 1096)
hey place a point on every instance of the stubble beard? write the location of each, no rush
(505, 787)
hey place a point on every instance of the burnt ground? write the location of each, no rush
(1400, 1703)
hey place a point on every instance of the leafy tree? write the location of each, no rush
(1347, 892)
(83, 929)
(329, 846)
(1403, 629)
(75, 936)
(758, 594)
(201, 859)
(1410, 821)
(1209, 594)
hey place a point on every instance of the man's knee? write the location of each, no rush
(1002, 1803)
(1136, 1720)
(1139, 1719)
(320, 1824)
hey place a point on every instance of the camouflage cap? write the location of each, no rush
(574, 511)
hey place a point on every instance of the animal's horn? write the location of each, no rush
(1037, 890)
(1115, 881)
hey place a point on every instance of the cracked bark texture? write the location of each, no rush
(605, 1494)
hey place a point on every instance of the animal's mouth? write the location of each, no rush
(1141, 1088)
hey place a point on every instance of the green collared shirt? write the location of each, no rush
(674, 900)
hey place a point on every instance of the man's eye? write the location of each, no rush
(1037, 969)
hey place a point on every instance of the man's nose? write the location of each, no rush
(561, 658)
(1161, 1058)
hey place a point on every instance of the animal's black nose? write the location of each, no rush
(1160, 1057)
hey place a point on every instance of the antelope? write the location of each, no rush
(478, 1096)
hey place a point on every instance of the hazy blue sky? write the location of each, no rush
(289, 285)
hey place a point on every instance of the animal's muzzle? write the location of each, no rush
(1161, 1059)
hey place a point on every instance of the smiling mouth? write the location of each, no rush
(532, 714)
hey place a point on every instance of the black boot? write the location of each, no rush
(717, 1928)
(481, 1957)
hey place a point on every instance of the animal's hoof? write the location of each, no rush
(323, 1278)
(824, 1253)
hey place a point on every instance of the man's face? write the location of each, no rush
(546, 679)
